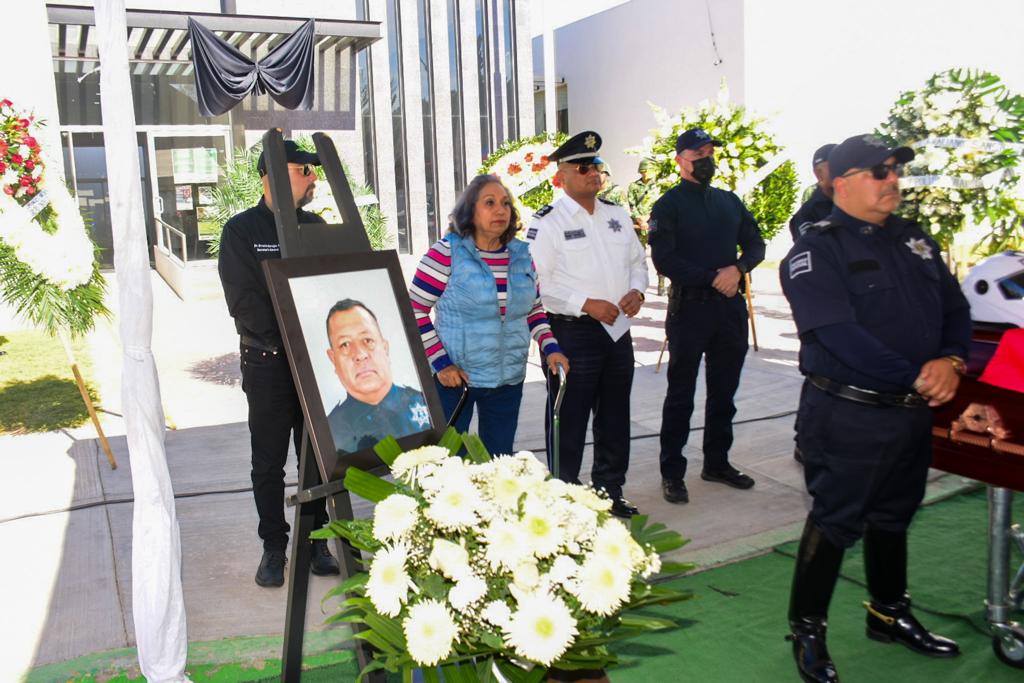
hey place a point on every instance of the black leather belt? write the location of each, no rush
(257, 344)
(866, 396)
(696, 294)
(572, 318)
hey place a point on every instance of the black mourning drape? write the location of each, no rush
(224, 76)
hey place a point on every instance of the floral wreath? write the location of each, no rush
(966, 128)
(48, 267)
(524, 167)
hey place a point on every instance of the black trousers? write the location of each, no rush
(715, 330)
(599, 381)
(275, 416)
(865, 466)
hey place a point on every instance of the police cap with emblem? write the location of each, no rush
(821, 154)
(695, 138)
(580, 148)
(864, 151)
(292, 154)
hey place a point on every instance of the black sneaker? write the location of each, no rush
(622, 508)
(322, 563)
(674, 491)
(271, 571)
(730, 476)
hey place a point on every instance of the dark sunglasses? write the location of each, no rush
(307, 169)
(584, 169)
(879, 171)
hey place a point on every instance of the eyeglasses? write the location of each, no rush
(307, 169)
(878, 171)
(584, 169)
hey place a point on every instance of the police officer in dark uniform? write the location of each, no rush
(694, 230)
(884, 329)
(819, 205)
(274, 410)
(374, 406)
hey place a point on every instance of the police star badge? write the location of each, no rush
(920, 247)
(614, 224)
(419, 415)
(589, 142)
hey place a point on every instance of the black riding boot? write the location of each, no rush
(817, 568)
(889, 619)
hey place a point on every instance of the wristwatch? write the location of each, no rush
(641, 294)
(958, 364)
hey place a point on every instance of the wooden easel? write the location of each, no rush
(87, 400)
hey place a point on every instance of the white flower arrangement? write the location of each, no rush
(482, 562)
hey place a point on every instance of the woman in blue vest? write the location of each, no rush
(481, 284)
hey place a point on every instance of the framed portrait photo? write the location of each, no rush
(356, 356)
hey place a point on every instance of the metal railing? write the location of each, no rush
(165, 234)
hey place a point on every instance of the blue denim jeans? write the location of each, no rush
(499, 412)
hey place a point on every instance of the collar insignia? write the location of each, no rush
(920, 247)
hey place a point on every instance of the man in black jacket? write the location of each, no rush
(819, 205)
(274, 410)
(694, 232)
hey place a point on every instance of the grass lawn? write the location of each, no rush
(37, 388)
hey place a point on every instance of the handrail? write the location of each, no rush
(164, 240)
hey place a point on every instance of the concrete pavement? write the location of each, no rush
(65, 517)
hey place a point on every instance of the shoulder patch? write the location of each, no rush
(799, 264)
(543, 211)
(531, 232)
(820, 226)
(606, 201)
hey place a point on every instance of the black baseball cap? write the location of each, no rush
(821, 154)
(695, 138)
(864, 151)
(293, 155)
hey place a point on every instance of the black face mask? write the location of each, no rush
(703, 170)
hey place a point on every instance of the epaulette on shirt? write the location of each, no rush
(543, 211)
(822, 226)
(606, 201)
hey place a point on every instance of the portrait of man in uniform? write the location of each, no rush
(374, 405)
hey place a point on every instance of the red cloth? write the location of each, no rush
(1006, 369)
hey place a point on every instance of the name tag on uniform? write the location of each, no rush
(531, 233)
(574, 234)
(800, 264)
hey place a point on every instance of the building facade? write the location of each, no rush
(414, 93)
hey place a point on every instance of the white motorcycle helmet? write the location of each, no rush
(995, 289)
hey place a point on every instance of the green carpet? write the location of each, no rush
(733, 628)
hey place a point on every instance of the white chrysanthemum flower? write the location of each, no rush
(541, 629)
(388, 585)
(506, 544)
(584, 495)
(469, 589)
(451, 559)
(405, 465)
(614, 542)
(430, 632)
(505, 486)
(526, 576)
(394, 517)
(454, 506)
(531, 466)
(563, 570)
(452, 471)
(497, 612)
(580, 524)
(652, 565)
(601, 585)
(543, 533)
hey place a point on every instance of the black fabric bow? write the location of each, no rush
(224, 76)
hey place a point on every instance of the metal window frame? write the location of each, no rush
(458, 122)
(429, 136)
(511, 70)
(401, 141)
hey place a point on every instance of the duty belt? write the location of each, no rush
(695, 294)
(257, 344)
(866, 396)
(584, 318)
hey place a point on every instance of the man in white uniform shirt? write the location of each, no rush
(592, 272)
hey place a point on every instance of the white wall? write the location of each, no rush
(658, 50)
(829, 70)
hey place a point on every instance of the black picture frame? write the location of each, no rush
(298, 334)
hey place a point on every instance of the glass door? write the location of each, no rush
(185, 170)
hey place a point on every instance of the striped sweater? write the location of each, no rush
(428, 284)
